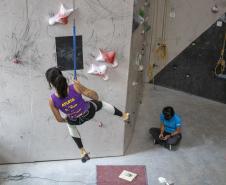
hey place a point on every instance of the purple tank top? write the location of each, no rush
(73, 105)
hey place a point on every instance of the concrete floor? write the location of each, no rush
(200, 160)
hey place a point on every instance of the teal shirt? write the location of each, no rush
(171, 125)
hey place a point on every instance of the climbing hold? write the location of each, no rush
(147, 4)
(108, 57)
(142, 32)
(141, 14)
(134, 83)
(188, 75)
(147, 27)
(155, 65)
(98, 70)
(61, 16)
(215, 9)
(162, 51)
(140, 68)
(139, 59)
(219, 23)
(165, 181)
(100, 124)
(17, 61)
(174, 67)
(172, 13)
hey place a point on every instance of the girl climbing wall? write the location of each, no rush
(68, 99)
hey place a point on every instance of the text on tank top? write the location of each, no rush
(73, 105)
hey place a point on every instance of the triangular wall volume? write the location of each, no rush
(192, 71)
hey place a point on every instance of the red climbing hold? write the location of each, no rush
(108, 57)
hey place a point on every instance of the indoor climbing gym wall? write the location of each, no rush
(175, 25)
(139, 57)
(36, 35)
(200, 68)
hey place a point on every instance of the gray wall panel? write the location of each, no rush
(28, 129)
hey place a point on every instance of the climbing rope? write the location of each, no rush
(220, 66)
(150, 70)
(164, 21)
(74, 43)
(161, 50)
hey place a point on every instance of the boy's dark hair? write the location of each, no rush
(168, 112)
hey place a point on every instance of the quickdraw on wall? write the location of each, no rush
(220, 66)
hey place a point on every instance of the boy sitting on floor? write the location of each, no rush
(169, 133)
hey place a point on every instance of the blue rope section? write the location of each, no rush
(74, 50)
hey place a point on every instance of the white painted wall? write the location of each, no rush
(192, 18)
(28, 129)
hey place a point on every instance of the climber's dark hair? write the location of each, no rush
(51, 74)
(55, 78)
(61, 86)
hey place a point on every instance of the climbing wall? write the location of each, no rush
(193, 71)
(29, 131)
(139, 57)
(184, 23)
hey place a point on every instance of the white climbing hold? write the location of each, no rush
(166, 182)
(214, 9)
(98, 70)
(61, 16)
(100, 124)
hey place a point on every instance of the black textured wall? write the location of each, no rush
(193, 70)
(64, 50)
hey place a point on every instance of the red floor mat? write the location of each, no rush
(108, 175)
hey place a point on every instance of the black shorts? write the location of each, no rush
(94, 106)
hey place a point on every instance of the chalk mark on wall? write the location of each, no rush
(20, 45)
(101, 13)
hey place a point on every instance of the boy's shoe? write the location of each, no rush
(168, 146)
(155, 141)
